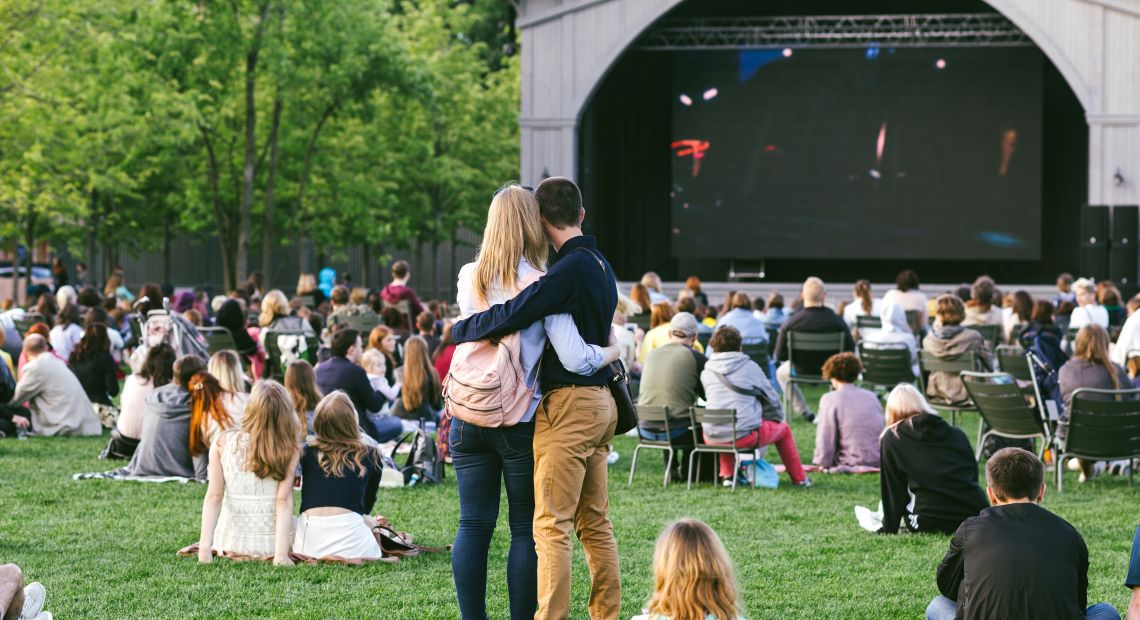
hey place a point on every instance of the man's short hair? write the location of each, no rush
(400, 269)
(950, 310)
(725, 339)
(343, 340)
(741, 300)
(35, 344)
(425, 322)
(339, 295)
(1015, 473)
(843, 367)
(358, 296)
(813, 290)
(687, 304)
(559, 201)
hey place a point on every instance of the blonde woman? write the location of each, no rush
(226, 368)
(693, 576)
(929, 478)
(514, 250)
(275, 317)
(301, 383)
(341, 477)
(248, 509)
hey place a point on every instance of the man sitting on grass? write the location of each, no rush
(1015, 559)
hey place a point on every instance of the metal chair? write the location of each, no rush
(701, 416)
(957, 364)
(1011, 359)
(305, 300)
(885, 366)
(868, 321)
(1004, 410)
(26, 323)
(641, 320)
(773, 330)
(798, 342)
(363, 324)
(991, 333)
(1101, 427)
(1015, 334)
(218, 339)
(759, 354)
(405, 309)
(657, 416)
(275, 364)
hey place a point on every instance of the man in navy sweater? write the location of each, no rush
(576, 419)
(341, 372)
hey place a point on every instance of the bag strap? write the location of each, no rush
(760, 395)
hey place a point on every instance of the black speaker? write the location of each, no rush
(1123, 260)
(1094, 241)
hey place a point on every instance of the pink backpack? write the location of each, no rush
(486, 385)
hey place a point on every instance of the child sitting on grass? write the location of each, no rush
(693, 576)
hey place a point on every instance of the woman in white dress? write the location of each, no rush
(248, 508)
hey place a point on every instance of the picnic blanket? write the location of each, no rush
(394, 546)
(123, 474)
(834, 470)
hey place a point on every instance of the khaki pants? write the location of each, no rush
(572, 432)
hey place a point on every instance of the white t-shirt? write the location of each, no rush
(854, 310)
(1086, 315)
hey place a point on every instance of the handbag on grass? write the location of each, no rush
(619, 388)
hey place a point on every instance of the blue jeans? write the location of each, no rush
(485, 458)
(387, 428)
(942, 608)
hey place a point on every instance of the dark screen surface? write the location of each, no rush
(929, 153)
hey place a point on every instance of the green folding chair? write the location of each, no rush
(759, 354)
(218, 339)
(1011, 359)
(658, 416)
(991, 333)
(1103, 425)
(1004, 409)
(867, 321)
(957, 364)
(885, 366)
(799, 342)
(701, 416)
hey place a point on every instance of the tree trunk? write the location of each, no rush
(270, 184)
(241, 251)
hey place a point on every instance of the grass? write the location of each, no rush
(106, 549)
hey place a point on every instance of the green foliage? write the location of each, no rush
(253, 120)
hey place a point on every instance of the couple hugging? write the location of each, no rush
(551, 454)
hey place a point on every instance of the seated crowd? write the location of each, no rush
(378, 362)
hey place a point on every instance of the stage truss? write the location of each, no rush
(835, 31)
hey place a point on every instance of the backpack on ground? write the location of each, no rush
(422, 465)
(486, 385)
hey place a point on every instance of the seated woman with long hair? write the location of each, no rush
(341, 475)
(92, 363)
(208, 417)
(1090, 367)
(226, 368)
(420, 397)
(164, 442)
(157, 371)
(301, 383)
(950, 339)
(383, 339)
(929, 477)
(693, 576)
(248, 509)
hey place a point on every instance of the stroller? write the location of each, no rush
(165, 326)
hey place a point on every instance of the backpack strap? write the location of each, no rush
(760, 395)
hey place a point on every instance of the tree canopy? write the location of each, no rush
(261, 122)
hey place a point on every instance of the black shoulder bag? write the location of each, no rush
(619, 384)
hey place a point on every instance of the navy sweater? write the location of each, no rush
(337, 373)
(580, 283)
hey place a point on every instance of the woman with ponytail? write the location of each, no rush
(864, 304)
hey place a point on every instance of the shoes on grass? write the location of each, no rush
(34, 595)
(613, 457)
(1074, 465)
(805, 483)
(809, 417)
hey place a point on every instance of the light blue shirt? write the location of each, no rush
(572, 351)
(752, 330)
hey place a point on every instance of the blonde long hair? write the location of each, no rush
(1091, 345)
(301, 383)
(903, 403)
(226, 366)
(272, 427)
(337, 437)
(513, 232)
(273, 305)
(420, 376)
(693, 575)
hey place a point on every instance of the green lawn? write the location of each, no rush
(106, 549)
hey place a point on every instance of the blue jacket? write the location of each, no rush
(337, 373)
(580, 283)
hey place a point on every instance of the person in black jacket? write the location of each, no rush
(1015, 559)
(929, 478)
(815, 318)
(340, 372)
(93, 364)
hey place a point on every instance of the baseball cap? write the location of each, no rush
(684, 324)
